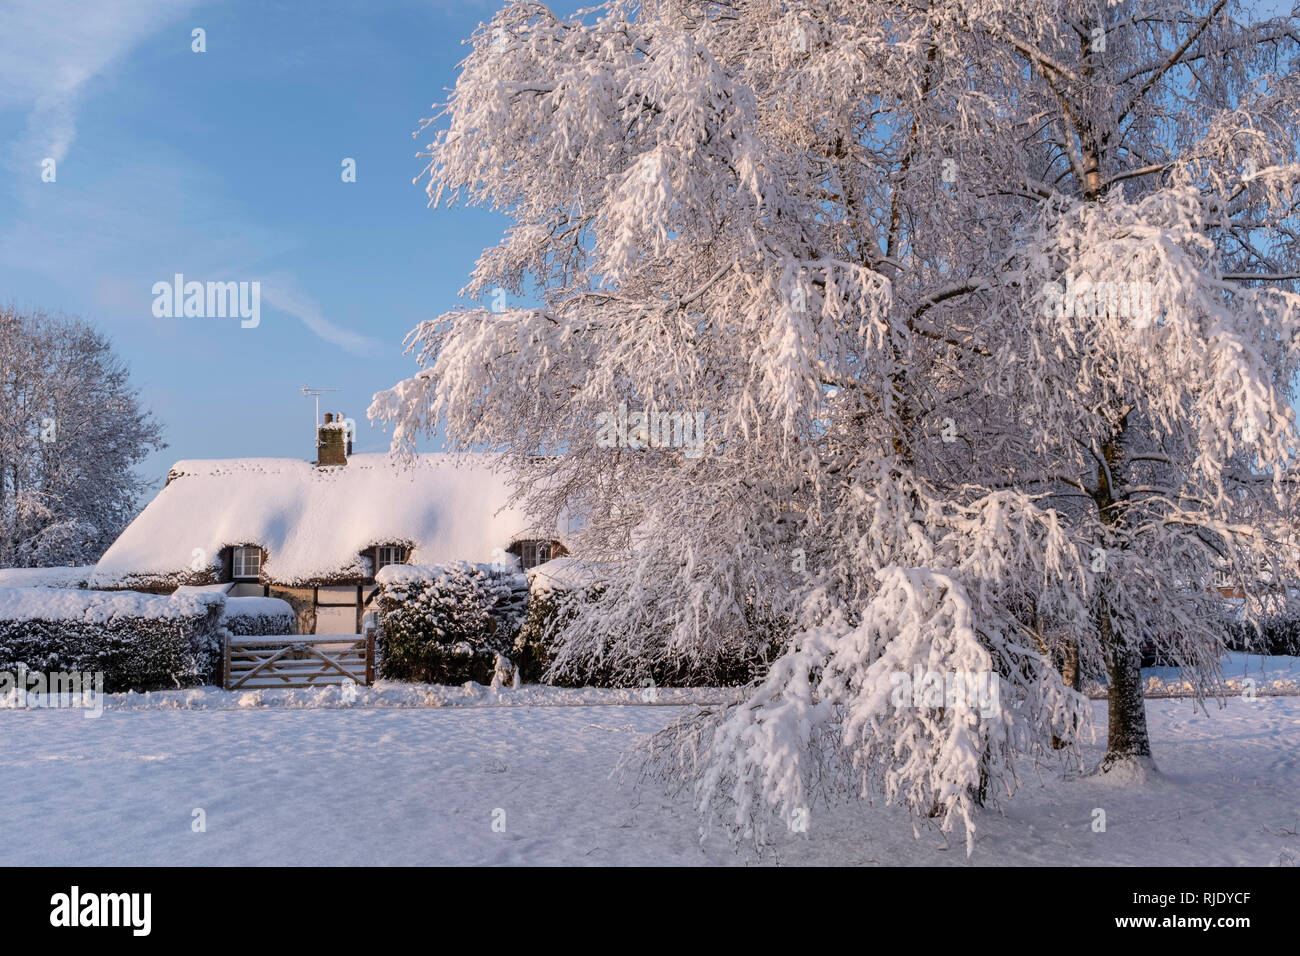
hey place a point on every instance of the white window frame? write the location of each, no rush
(397, 553)
(239, 561)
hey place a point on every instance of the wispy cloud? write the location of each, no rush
(51, 50)
(281, 292)
(150, 209)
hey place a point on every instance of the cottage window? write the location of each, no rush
(389, 554)
(246, 562)
(533, 553)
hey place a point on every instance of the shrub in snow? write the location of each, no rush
(1279, 634)
(542, 656)
(533, 652)
(257, 616)
(447, 624)
(139, 641)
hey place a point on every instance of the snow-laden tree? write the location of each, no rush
(71, 433)
(990, 311)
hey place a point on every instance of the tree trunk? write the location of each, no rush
(1126, 737)
(1127, 742)
(1070, 666)
(1072, 679)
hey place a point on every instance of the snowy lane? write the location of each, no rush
(424, 786)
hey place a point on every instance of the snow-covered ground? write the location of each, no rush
(419, 776)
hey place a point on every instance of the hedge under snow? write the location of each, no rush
(259, 616)
(449, 623)
(139, 641)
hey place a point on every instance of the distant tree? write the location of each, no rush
(71, 432)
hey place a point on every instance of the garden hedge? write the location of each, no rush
(448, 624)
(140, 642)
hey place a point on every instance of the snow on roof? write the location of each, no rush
(313, 523)
(44, 577)
(66, 604)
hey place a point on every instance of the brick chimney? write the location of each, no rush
(331, 442)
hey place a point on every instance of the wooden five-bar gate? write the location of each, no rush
(293, 661)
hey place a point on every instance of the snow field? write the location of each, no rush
(340, 786)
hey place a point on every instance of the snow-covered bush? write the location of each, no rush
(533, 652)
(257, 616)
(450, 623)
(139, 641)
(542, 656)
(1279, 634)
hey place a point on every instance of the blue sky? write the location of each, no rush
(225, 165)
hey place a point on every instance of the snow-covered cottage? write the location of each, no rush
(315, 533)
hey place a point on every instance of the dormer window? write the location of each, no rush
(532, 552)
(246, 561)
(387, 554)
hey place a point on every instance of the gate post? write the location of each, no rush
(225, 661)
(370, 656)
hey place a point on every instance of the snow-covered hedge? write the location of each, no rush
(139, 641)
(1273, 636)
(566, 587)
(446, 624)
(550, 607)
(259, 616)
